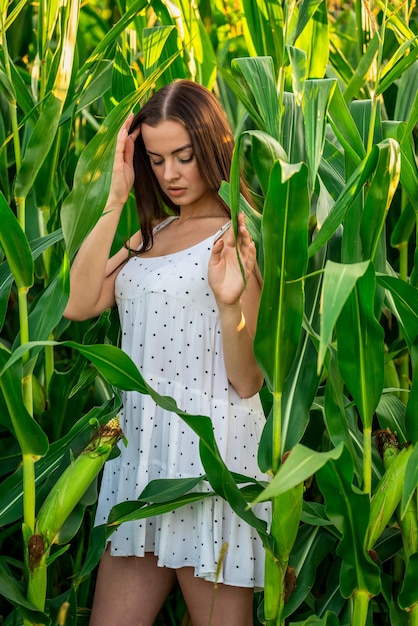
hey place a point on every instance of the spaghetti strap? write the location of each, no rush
(222, 230)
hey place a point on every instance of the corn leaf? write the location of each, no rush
(263, 28)
(32, 440)
(314, 40)
(412, 404)
(400, 67)
(348, 196)
(307, 10)
(297, 58)
(47, 311)
(257, 91)
(307, 562)
(315, 101)
(123, 79)
(301, 464)
(408, 596)
(405, 300)
(39, 144)
(408, 169)
(361, 73)
(340, 422)
(285, 233)
(361, 348)
(344, 127)
(111, 36)
(348, 509)
(407, 101)
(154, 40)
(379, 196)
(339, 281)
(16, 247)
(11, 589)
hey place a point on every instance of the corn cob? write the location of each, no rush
(74, 482)
(388, 493)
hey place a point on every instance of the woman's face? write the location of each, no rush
(170, 152)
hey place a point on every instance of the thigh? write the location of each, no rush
(130, 590)
(215, 606)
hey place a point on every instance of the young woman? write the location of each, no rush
(188, 321)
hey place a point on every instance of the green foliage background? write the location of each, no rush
(323, 102)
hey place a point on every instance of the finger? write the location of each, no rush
(216, 253)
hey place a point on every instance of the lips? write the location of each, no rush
(176, 191)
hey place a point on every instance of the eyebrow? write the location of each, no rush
(186, 145)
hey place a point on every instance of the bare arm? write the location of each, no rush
(93, 274)
(238, 308)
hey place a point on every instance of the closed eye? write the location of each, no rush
(183, 161)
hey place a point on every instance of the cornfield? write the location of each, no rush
(323, 101)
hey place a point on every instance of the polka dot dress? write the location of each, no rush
(171, 330)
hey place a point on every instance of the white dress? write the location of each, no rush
(171, 329)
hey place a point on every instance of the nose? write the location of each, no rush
(170, 170)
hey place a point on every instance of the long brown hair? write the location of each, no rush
(199, 111)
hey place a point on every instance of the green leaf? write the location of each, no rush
(408, 597)
(407, 101)
(405, 304)
(341, 429)
(48, 310)
(400, 67)
(301, 464)
(307, 9)
(111, 36)
(11, 590)
(154, 40)
(311, 547)
(16, 247)
(360, 75)
(39, 145)
(411, 421)
(408, 168)
(253, 218)
(258, 91)
(123, 78)
(166, 489)
(411, 480)
(348, 509)
(298, 64)
(285, 238)
(315, 100)
(346, 199)
(344, 127)
(361, 347)
(263, 28)
(379, 196)
(32, 440)
(263, 151)
(339, 281)
(314, 40)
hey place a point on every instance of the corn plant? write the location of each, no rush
(324, 108)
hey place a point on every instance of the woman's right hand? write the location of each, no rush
(123, 174)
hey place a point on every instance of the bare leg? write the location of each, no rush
(215, 607)
(130, 590)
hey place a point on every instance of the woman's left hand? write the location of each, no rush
(224, 273)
